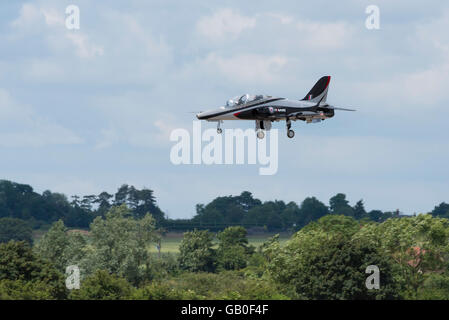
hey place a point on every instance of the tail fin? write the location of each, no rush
(319, 91)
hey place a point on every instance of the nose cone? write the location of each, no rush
(200, 116)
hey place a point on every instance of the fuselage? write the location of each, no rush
(270, 108)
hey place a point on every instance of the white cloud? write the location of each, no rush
(53, 17)
(224, 22)
(319, 35)
(130, 120)
(29, 14)
(21, 126)
(51, 24)
(85, 49)
(247, 68)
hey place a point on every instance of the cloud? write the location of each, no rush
(29, 15)
(50, 22)
(130, 120)
(247, 68)
(85, 49)
(223, 23)
(21, 126)
(323, 35)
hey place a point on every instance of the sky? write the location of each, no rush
(85, 110)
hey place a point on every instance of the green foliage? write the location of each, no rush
(20, 201)
(323, 262)
(225, 210)
(15, 229)
(164, 291)
(19, 263)
(359, 210)
(232, 257)
(102, 286)
(233, 250)
(119, 244)
(162, 267)
(311, 209)
(61, 247)
(233, 236)
(418, 245)
(140, 202)
(441, 210)
(196, 253)
(225, 285)
(25, 290)
(339, 205)
(331, 226)
(434, 287)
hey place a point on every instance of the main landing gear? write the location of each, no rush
(219, 130)
(290, 132)
(260, 134)
(261, 127)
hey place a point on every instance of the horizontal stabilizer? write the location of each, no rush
(337, 108)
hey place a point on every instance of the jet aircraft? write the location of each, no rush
(264, 109)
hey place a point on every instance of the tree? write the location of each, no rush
(418, 245)
(61, 247)
(233, 236)
(120, 243)
(53, 245)
(25, 290)
(15, 229)
(339, 205)
(442, 210)
(103, 201)
(311, 210)
(233, 248)
(289, 215)
(268, 214)
(196, 253)
(359, 210)
(322, 261)
(139, 201)
(20, 265)
(229, 210)
(102, 286)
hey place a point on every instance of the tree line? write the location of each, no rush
(22, 209)
(327, 259)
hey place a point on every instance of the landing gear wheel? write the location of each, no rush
(219, 130)
(290, 133)
(260, 134)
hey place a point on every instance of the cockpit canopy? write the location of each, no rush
(246, 98)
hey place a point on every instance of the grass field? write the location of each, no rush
(170, 243)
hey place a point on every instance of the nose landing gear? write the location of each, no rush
(219, 130)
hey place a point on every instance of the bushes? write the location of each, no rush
(196, 253)
(21, 269)
(323, 262)
(25, 290)
(224, 285)
(103, 286)
(15, 229)
(435, 287)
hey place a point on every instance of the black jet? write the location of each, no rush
(266, 109)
